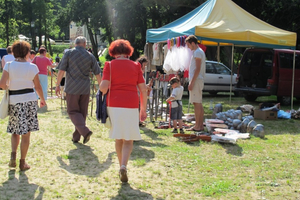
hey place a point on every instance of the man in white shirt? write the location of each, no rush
(196, 81)
(7, 58)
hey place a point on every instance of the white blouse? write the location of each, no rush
(21, 75)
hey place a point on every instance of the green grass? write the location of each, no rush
(160, 167)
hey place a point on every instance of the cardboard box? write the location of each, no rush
(265, 115)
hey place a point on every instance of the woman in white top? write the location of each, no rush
(21, 77)
(7, 58)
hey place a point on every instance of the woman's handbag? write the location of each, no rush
(101, 109)
(4, 105)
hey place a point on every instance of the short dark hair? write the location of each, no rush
(142, 60)
(42, 50)
(8, 49)
(174, 80)
(20, 49)
(119, 47)
(191, 38)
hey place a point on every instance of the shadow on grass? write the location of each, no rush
(43, 109)
(141, 153)
(127, 192)
(150, 133)
(84, 162)
(233, 149)
(64, 112)
(20, 189)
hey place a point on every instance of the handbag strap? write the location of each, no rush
(8, 66)
(109, 84)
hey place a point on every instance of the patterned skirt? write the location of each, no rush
(23, 118)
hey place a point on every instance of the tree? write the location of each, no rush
(93, 15)
(8, 18)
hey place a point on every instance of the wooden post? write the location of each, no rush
(51, 84)
(93, 92)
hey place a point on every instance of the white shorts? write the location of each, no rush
(196, 92)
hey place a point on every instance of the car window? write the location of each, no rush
(210, 68)
(267, 60)
(252, 59)
(286, 60)
(257, 59)
(221, 69)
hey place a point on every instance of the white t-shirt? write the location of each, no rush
(198, 53)
(8, 58)
(177, 94)
(21, 75)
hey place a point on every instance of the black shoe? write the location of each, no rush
(74, 141)
(174, 130)
(87, 137)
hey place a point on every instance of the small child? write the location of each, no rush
(176, 106)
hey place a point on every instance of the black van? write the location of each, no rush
(265, 72)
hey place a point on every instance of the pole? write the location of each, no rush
(232, 52)
(162, 103)
(218, 52)
(51, 73)
(293, 79)
(93, 92)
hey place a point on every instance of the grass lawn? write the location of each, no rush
(160, 167)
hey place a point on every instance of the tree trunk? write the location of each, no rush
(95, 49)
(153, 17)
(7, 23)
(45, 37)
(50, 48)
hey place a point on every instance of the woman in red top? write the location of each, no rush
(121, 77)
(42, 63)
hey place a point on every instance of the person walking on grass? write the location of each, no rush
(121, 79)
(78, 63)
(196, 81)
(7, 58)
(22, 76)
(43, 63)
(176, 104)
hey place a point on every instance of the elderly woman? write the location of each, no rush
(42, 63)
(121, 78)
(22, 76)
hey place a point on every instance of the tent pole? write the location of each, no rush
(231, 72)
(293, 79)
(218, 52)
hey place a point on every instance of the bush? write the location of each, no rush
(58, 49)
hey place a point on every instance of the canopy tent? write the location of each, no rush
(225, 23)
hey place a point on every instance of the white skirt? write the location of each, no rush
(124, 123)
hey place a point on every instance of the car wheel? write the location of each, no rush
(213, 93)
(238, 94)
(284, 100)
(250, 97)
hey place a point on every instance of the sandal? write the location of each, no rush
(123, 174)
(23, 165)
(192, 129)
(12, 163)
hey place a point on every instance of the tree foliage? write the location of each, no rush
(120, 18)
